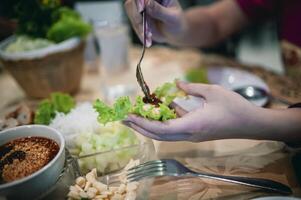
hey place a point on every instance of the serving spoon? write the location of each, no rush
(256, 93)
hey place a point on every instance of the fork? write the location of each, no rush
(168, 167)
(139, 74)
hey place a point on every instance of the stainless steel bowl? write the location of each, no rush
(37, 183)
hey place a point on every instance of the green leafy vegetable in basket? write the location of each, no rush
(68, 23)
(47, 109)
(47, 19)
(123, 106)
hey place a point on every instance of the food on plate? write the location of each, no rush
(114, 143)
(157, 111)
(24, 156)
(90, 188)
(197, 75)
(22, 115)
(48, 108)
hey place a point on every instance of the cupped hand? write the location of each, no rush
(164, 19)
(225, 114)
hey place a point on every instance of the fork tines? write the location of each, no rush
(149, 169)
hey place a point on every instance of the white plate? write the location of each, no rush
(232, 79)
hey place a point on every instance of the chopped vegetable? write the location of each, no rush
(89, 136)
(109, 139)
(168, 92)
(161, 113)
(48, 108)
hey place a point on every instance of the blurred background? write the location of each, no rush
(106, 10)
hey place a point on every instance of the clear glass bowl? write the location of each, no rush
(144, 151)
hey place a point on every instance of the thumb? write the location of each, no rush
(199, 90)
(140, 5)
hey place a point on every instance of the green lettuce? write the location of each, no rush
(197, 75)
(47, 109)
(117, 112)
(68, 24)
(62, 102)
(123, 106)
(168, 92)
(45, 113)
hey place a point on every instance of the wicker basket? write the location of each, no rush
(47, 71)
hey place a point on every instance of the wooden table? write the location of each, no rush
(262, 159)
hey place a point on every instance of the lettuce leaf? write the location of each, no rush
(62, 102)
(123, 106)
(168, 92)
(48, 108)
(45, 113)
(67, 24)
(197, 75)
(118, 112)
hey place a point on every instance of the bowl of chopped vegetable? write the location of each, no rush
(106, 147)
(46, 55)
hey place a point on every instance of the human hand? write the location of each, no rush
(225, 114)
(164, 20)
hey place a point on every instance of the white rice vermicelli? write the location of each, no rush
(82, 119)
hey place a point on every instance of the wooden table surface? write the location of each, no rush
(262, 159)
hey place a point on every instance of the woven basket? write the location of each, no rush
(59, 69)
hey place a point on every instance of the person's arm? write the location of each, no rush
(199, 27)
(225, 115)
(209, 25)
(282, 125)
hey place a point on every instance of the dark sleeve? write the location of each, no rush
(297, 105)
(259, 9)
(294, 144)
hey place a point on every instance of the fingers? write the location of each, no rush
(133, 9)
(175, 126)
(142, 131)
(159, 137)
(180, 111)
(200, 90)
(140, 5)
(158, 11)
(135, 17)
(157, 35)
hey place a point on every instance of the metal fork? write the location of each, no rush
(139, 74)
(168, 167)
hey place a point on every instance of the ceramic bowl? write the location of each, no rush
(37, 183)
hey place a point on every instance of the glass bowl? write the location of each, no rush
(144, 151)
(113, 160)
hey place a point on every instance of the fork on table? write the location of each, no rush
(169, 167)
